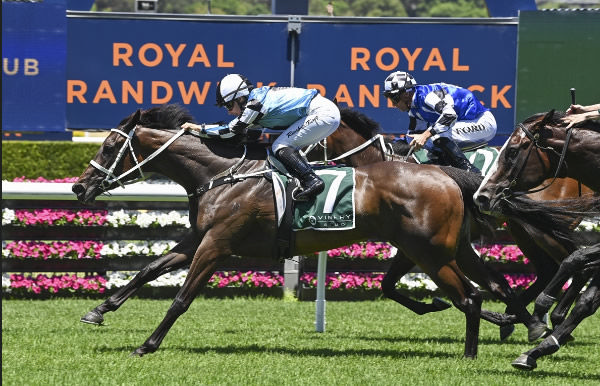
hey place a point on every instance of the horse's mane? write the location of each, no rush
(360, 123)
(557, 121)
(167, 117)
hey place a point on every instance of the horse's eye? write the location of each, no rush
(108, 150)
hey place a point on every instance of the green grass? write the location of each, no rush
(273, 342)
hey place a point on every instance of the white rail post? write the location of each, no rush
(320, 302)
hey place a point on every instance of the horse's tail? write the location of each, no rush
(468, 183)
(558, 218)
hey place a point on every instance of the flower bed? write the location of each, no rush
(69, 284)
(119, 218)
(17, 285)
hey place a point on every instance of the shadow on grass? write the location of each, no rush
(539, 374)
(446, 339)
(318, 352)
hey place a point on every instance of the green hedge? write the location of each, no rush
(48, 159)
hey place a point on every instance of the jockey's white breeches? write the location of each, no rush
(322, 119)
(469, 134)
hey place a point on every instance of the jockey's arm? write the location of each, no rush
(251, 113)
(443, 104)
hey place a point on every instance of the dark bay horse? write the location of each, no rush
(540, 148)
(355, 143)
(232, 212)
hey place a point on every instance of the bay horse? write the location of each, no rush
(232, 212)
(541, 147)
(358, 141)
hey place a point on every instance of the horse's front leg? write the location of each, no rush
(567, 299)
(573, 264)
(587, 305)
(400, 267)
(201, 270)
(180, 256)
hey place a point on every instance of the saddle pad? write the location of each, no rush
(482, 158)
(332, 209)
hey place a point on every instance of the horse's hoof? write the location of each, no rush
(93, 317)
(538, 331)
(524, 362)
(471, 357)
(137, 353)
(440, 304)
(506, 331)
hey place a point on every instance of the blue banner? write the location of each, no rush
(34, 36)
(116, 66)
(349, 62)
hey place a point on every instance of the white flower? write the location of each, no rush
(138, 247)
(118, 279)
(171, 279)
(8, 216)
(419, 281)
(589, 225)
(118, 218)
(6, 282)
(144, 220)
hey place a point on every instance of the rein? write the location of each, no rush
(384, 149)
(535, 138)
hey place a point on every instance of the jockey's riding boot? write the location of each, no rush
(299, 168)
(454, 155)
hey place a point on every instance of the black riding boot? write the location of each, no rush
(455, 155)
(297, 166)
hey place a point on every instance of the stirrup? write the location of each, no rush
(295, 193)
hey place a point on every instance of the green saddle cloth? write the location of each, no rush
(482, 158)
(332, 209)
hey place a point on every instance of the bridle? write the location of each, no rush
(111, 178)
(535, 143)
(225, 177)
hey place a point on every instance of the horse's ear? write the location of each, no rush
(548, 118)
(133, 121)
(335, 101)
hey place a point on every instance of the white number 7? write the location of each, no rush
(333, 188)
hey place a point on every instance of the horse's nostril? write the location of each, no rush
(78, 189)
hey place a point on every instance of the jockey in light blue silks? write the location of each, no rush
(303, 116)
(444, 119)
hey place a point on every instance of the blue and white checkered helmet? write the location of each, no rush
(398, 82)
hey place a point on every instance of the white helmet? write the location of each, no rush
(398, 82)
(232, 87)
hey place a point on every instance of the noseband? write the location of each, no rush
(535, 142)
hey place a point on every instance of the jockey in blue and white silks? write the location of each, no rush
(303, 116)
(444, 119)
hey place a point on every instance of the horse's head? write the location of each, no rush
(113, 159)
(525, 161)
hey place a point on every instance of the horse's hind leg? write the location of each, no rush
(400, 267)
(493, 281)
(180, 256)
(466, 298)
(587, 305)
(543, 252)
